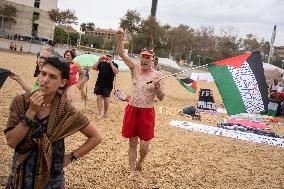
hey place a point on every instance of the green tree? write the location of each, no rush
(91, 40)
(83, 27)
(152, 31)
(63, 18)
(60, 36)
(265, 48)
(90, 26)
(8, 14)
(181, 42)
(131, 22)
(250, 43)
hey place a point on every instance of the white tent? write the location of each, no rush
(121, 66)
(169, 63)
(267, 67)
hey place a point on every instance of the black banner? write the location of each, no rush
(3, 76)
(206, 101)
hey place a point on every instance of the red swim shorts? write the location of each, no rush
(138, 122)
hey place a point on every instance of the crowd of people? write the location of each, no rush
(41, 118)
(276, 97)
(13, 47)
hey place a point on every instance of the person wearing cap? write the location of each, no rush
(139, 116)
(104, 84)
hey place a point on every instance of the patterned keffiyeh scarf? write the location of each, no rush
(64, 120)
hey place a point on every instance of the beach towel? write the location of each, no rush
(248, 123)
(251, 137)
(237, 127)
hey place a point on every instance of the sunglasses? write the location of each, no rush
(42, 58)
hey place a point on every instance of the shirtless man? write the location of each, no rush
(139, 117)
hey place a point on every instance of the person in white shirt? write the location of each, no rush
(275, 86)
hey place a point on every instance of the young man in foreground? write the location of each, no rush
(37, 125)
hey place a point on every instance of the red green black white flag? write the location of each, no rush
(241, 83)
(188, 84)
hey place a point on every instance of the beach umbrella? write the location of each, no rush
(86, 60)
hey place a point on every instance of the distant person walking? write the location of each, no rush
(15, 47)
(104, 84)
(11, 46)
(73, 83)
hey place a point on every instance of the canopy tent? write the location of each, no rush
(121, 66)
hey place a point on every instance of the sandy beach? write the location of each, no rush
(178, 158)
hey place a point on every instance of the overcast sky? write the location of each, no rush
(247, 16)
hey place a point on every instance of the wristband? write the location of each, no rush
(73, 157)
(27, 121)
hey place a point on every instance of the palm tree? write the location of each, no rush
(83, 27)
(90, 26)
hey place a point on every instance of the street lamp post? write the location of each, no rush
(198, 59)
(79, 42)
(189, 57)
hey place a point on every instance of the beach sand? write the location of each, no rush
(178, 158)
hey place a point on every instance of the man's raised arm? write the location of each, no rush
(120, 49)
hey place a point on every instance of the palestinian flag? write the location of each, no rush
(3, 76)
(241, 83)
(272, 108)
(188, 84)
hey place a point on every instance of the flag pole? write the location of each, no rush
(183, 71)
(271, 50)
(86, 93)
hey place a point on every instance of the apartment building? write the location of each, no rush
(32, 20)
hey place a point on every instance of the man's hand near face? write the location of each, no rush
(36, 101)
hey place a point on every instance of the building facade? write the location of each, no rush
(105, 33)
(108, 34)
(32, 20)
(279, 51)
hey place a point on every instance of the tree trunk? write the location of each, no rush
(2, 26)
(68, 38)
(131, 49)
(152, 42)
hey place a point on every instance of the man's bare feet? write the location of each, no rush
(100, 116)
(131, 175)
(138, 166)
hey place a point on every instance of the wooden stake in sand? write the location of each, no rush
(183, 71)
